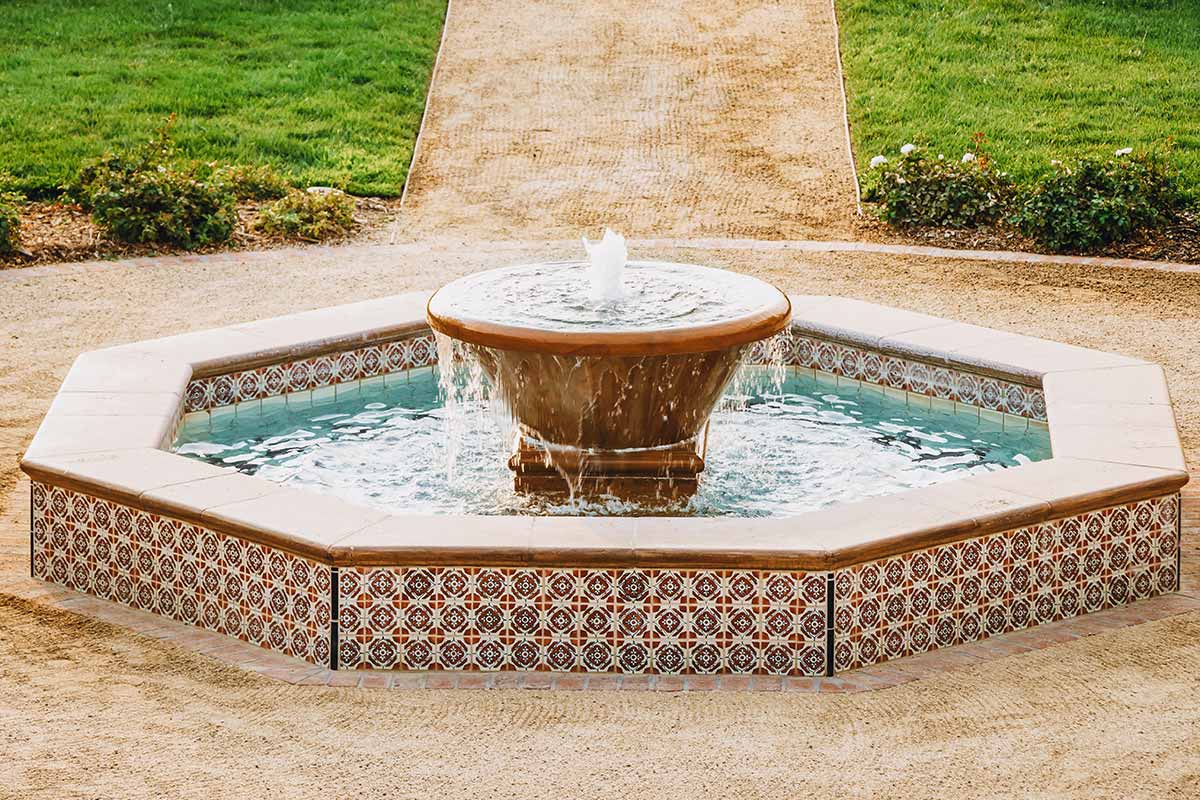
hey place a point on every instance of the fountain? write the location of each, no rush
(898, 456)
(609, 368)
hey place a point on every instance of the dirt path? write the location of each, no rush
(686, 118)
(87, 710)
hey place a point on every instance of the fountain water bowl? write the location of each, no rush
(611, 388)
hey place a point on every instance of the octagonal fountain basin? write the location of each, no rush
(877, 483)
(775, 447)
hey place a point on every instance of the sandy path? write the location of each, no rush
(685, 118)
(90, 710)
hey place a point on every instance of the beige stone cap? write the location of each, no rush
(289, 338)
(1112, 432)
(1010, 356)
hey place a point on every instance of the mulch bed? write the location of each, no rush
(1179, 242)
(58, 232)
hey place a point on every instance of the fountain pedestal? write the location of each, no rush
(665, 473)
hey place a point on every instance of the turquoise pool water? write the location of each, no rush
(774, 450)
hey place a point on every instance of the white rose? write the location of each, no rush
(1124, 151)
(908, 148)
(878, 161)
(968, 157)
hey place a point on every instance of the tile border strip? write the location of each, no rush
(941, 382)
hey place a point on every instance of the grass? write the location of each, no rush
(1042, 80)
(330, 92)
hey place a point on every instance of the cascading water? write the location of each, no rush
(608, 369)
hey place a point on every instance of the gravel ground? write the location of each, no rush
(681, 119)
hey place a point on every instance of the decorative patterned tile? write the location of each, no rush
(978, 588)
(991, 394)
(988, 393)
(310, 373)
(181, 571)
(583, 620)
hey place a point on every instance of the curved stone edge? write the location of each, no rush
(1110, 420)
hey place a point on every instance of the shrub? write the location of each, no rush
(142, 196)
(253, 182)
(1093, 203)
(10, 221)
(312, 216)
(919, 189)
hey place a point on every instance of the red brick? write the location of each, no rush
(344, 678)
(441, 680)
(767, 683)
(475, 680)
(536, 680)
(506, 680)
(604, 683)
(797, 684)
(702, 683)
(569, 681)
(669, 683)
(375, 680)
(635, 683)
(407, 680)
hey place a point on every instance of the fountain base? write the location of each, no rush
(658, 474)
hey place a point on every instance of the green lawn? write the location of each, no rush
(1042, 80)
(328, 91)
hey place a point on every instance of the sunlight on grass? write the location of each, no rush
(329, 91)
(1043, 80)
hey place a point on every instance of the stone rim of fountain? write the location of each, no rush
(771, 316)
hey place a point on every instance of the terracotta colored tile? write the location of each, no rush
(407, 680)
(536, 680)
(702, 683)
(441, 680)
(507, 680)
(344, 678)
(635, 683)
(604, 682)
(797, 684)
(737, 683)
(669, 683)
(375, 680)
(851, 682)
(318, 678)
(475, 680)
(569, 681)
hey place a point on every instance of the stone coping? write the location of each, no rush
(1112, 432)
